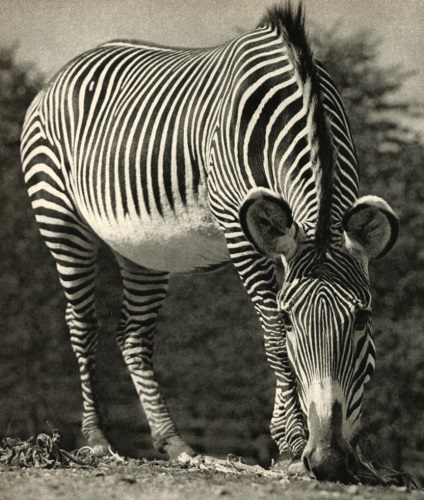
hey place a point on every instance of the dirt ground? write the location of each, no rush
(164, 481)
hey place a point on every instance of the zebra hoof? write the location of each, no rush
(291, 467)
(100, 446)
(101, 450)
(296, 468)
(178, 451)
(282, 464)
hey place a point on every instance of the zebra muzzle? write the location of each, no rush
(327, 455)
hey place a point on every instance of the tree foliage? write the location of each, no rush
(29, 292)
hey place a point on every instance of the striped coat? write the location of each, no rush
(184, 159)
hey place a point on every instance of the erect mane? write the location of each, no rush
(289, 22)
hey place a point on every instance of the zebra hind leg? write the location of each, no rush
(74, 249)
(144, 293)
(75, 256)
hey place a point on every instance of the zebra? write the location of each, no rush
(185, 159)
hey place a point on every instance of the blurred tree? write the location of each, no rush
(26, 319)
(395, 405)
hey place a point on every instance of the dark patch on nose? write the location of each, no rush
(337, 419)
(326, 432)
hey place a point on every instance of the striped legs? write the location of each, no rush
(144, 293)
(287, 424)
(75, 253)
(259, 278)
(83, 327)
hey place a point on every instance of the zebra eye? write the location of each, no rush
(285, 318)
(362, 317)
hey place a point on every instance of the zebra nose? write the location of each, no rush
(327, 463)
(327, 452)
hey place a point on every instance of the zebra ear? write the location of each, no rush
(371, 227)
(267, 223)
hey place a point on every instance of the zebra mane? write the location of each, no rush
(289, 22)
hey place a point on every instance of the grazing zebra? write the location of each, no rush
(183, 159)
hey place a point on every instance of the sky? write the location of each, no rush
(51, 32)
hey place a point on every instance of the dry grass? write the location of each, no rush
(38, 468)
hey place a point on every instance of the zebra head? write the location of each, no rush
(325, 305)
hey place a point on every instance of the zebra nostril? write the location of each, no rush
(306, 463)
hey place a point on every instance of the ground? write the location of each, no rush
(159, 480)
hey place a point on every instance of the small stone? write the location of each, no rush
(306, 478)
(314, 485)
(402, 489)
(184, 458)
(223, 491)
(271, 489)
(352, 489)
(284, 482)
(128, 478)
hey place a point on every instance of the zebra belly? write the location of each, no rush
(178, 241)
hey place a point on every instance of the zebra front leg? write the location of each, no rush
(144, 293)
(258, 275)
(287, 424)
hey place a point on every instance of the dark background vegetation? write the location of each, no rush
(209, 352)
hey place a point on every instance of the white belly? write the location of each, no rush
(186, 239)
